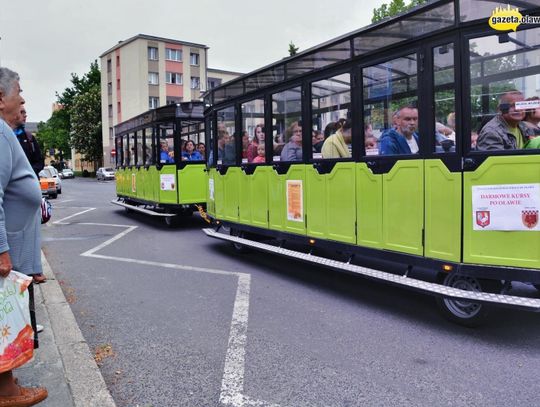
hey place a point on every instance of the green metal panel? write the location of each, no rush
(192, 184)
(341, 203)
(219, 192)
(168, 196)
(132, 182)
(403, 207)
(141, 181)
(210, 193)
(316, 203)
(148, 186)
(277, 200)
(231, 192)
(119, 176)
(153, 176)
(369, 213)
(259, 196)
(331, 203)
(505, 248)
(244, 204)
(443, 212)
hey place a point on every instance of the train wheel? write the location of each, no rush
(238, 247)
(463, 312)
(171, 221)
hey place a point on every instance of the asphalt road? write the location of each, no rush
(179, 319)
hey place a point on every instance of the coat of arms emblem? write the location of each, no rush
(529, 218)
(482, 218)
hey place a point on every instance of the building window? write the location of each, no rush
(194, 59)
(110, 110)
(195, 82)
(213, 83)
(109, 88)
(172, 101)
(173, 54)
(153, 102)
(118, 84)
(118, 108)
(153, 78)
(118, 60)
(153, 53)
(173, 77)
(109, 65)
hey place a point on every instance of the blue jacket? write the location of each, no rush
(194, 156)
(164, 157)
(20, 200)
(393, 143)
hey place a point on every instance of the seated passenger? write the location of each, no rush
(402, 139)
(316, 138)
(165, 156)
(370, 144)
(189, 153)
(258, 138)
(260, 154)
(532, 118)
(201, 148)
(337, 145)
(505, 131)
(292, 150)
(226, 148)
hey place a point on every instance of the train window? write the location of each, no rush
(287, 125)
(132, 151)
(331, 136)
(505, 87)
(445, 98)
(226, 134)
(390, 113)
(190, 136)
(253, 149)
(140, 147)
(149, 146)
(125, 156)
(166, 144)
(209, 147)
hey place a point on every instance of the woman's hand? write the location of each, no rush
(5, 264)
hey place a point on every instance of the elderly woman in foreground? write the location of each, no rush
(20, 199)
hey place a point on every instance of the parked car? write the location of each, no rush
(67, 173)
(51, 172)
(47, 186)
(105, 173)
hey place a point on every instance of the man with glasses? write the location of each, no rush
(506, 131)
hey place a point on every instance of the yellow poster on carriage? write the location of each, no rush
(295, 201)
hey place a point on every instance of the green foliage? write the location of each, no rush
(86, 124)
(54, 135)
(79, 102)
(293, 49)
(395, 7)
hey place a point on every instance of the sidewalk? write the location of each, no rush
(63, 363)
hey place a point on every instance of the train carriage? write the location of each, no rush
(376, 145)
(153, 175)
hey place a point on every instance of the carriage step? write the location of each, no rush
(525, 303)
(142, 210)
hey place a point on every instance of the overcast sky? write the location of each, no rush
(46, 40)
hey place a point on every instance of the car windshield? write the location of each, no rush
(45, 173)
(108, 169)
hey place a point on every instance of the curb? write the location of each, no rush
(82, 373)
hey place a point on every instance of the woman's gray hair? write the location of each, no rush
(8, 78)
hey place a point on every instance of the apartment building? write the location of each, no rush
(145, 72)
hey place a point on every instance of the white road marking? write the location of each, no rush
(232, 384)
(61, 221)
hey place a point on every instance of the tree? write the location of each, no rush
(393, 8)
(53, 135)
(293, 49)
(58, 132)
(85, 115)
